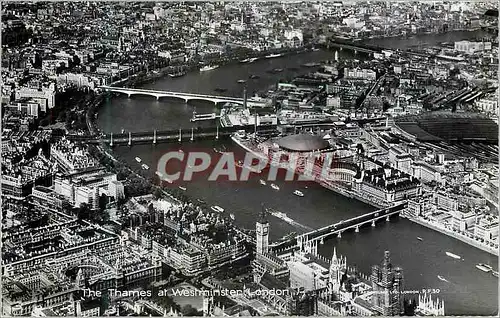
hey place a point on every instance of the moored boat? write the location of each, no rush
(182, 188)
(275, 187)
(241, 81)
(484, 267)
(145, 166)
(217, 209)
(178, 74)
(270, 56)
(138, 159)
(262, 182)
(494, 273)
(232, 216)
(208, 68)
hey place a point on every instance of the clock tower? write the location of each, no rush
(262, 231)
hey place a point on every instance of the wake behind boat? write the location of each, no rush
(441, 278)
(453, 255)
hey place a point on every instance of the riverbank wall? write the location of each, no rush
(455, 235)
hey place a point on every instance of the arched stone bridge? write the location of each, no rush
(184, 96)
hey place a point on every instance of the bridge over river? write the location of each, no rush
(319, 235)
(186, 97)
(174, 135)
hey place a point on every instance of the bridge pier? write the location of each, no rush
(387, 218)
(339, 235)
(157, 98)
(355, 52)
(322, 241)
(129, 95)
(373, 223)
(357, 229)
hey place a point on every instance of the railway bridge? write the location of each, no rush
(174, 135)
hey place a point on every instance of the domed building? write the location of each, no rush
(303, 143)
(303, 149)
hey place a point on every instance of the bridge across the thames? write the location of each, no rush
(355, 223)
(175, 135)
(184, 96)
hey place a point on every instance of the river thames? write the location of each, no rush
(466, 290)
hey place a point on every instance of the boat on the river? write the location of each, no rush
(182, 188)
(241, 81)
(484, 267)
(453, 255)
(419, 238)
(232, 216)
(275, 70)
(288, 236)
(262, 182)
(494, 273)
(253, 76)
(138, 159)
(298, 193)
(280, 215)
(177, 74)
(270, 56)
(311, 64)
(144, 166)
(217, 209)
(275, 187)
(208, 68)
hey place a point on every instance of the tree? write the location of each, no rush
(188, 310)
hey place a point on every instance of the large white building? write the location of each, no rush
(45, 96)
(470, 47)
